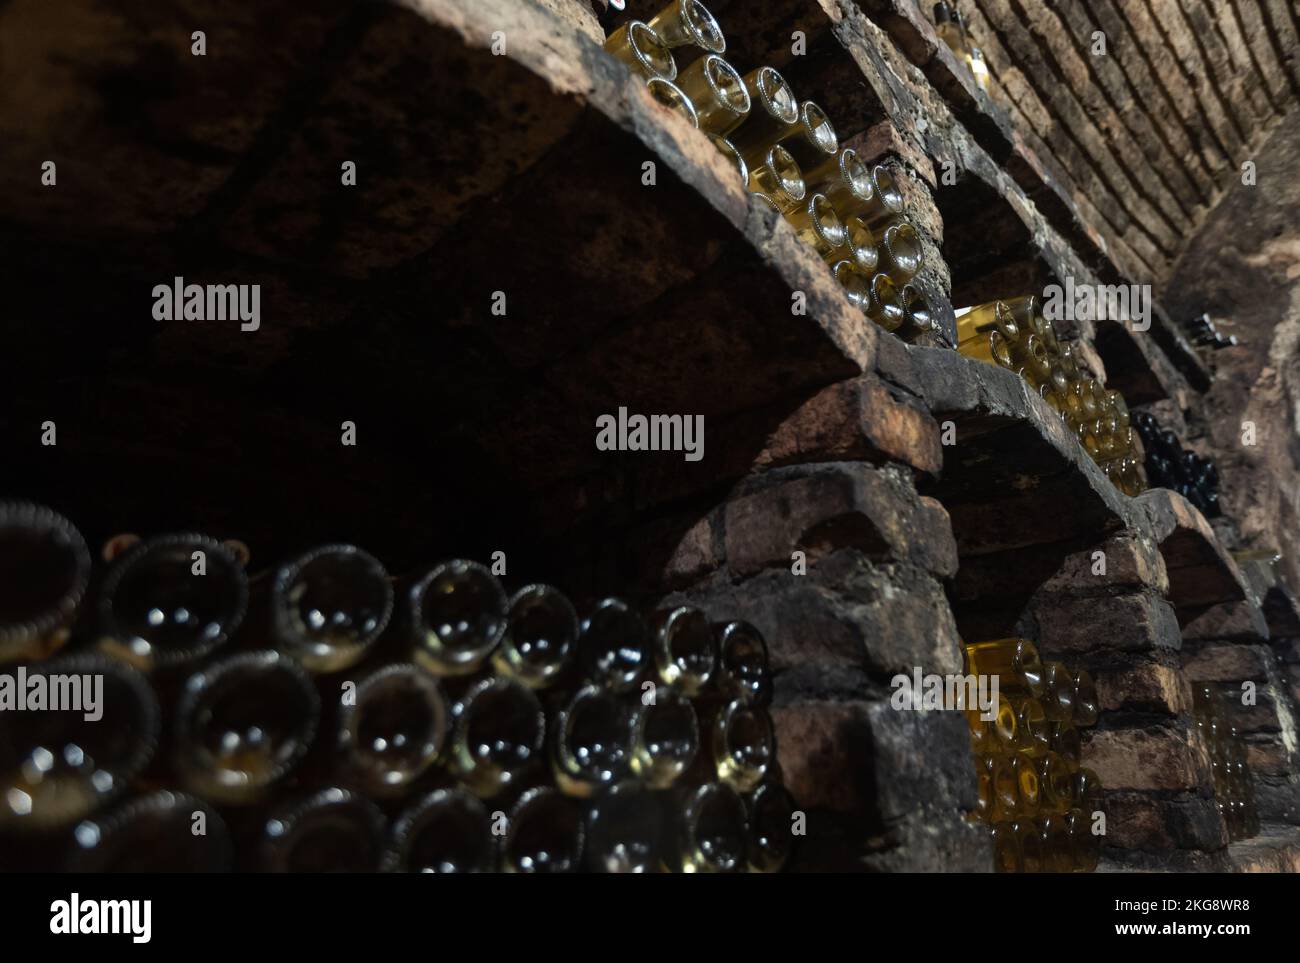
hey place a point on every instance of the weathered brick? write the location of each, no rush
(1158, 758)
(1134, 623)
(841, 505)
(1227, 663)
(1130, 561)
(824, 751)
(1144, 687)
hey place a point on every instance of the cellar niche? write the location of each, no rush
(532, 243)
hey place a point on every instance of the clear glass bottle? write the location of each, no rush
(332, 831)
(771, 829)
(162, 605)
(58, 766)
(743, 670)
(448, 831)
(818, 226)
(976, 324)
(886, 304)
(625, 831)
(666, 738)
(728, 150)
(643, 50)
(844, 179)
(810, 139)
(686, 650)
(541, 637)
(393, 729)
(713, 831)
(779, 179)
(920, 312)
(498, 735)
(592, 742)
(243, 724)
(614, 645)
(859, 248)
(901, 252)
(545, 834)
(717, 92)
(329, 606)
(456, 615)
(685, 23)
(1058, 692)
(669, 95)
(743, 744)
(44, 573)
(856, 284)
(773, 110)
(153, 834)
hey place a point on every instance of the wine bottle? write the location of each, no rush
(448, 831)
(392, 729)
(886, 305)
(332, 831)
(810, 137)
(44, 572)
(1058, 692)
(1085, 846)
(163, 832)
(1015, 662)
(1085, 699)
(1029, 843)
(742, 662)
(96, 729)
(545, 834)
(625, 831)
(498, 736)
(540, 639)
(666, 738)
(743, 744)
(643, 50)
(773, 109)
(243, 724)
(1056, 783)
(717, 92)
(860, 249)
(728, 150)
(689, 23)
(817, 225)
(779, 179)
(456, 615)
(614, 645)
(901, 252)
(771, 828)
(856, 284)
(329, 606)
(1006, 848)
(713, 830)
(668, 94)
(686, 650)
(845, 180)
(171, 600)
(592, 742)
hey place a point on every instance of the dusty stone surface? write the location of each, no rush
(1253, 288)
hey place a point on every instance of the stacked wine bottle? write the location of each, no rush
(1015, 335)
(1234, 790)
(1170, 465)
(953, 30)
(788, 154)
(324, 716)
(1039, 802)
